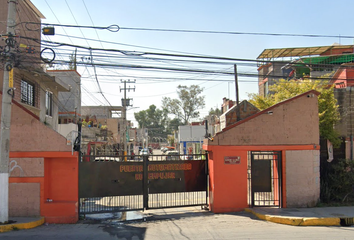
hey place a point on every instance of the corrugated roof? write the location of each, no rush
(297, 52)
(331, 59)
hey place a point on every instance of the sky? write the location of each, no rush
(216, 78)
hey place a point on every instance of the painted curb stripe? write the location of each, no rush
(297, 221)
(15, 226)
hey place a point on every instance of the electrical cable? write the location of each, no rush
(116, 28)
(164, 69)
(58, 20)
(99, 87)
(237, 33)
(132, 54)
(98, 37)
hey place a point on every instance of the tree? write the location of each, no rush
(186, 107)
(216, 112)
(327, 103)
(154, 119)
(173, 125)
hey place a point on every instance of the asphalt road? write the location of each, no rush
(192, 225)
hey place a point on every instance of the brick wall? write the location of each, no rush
(291, 122)
(24, 199)
(345, 100)
(302, 178)
(26, 167)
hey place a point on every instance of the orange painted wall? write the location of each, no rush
(60, 183)
(61, 186)
(291, 125)
(211, 179)
(228, 182)
(228, 186)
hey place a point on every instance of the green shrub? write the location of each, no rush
(340, 184)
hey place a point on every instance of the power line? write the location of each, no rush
(237, 33)
(164, 69)
(58, 20)
(96, 77)
(76, 22)
(98, 83)
(116, 28)
(139, 54)
(98, 37)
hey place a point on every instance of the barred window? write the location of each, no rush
(27, 92)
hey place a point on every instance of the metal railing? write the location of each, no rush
(128, 183)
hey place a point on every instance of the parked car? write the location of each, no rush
(172, 155)
(164, 149)
(144, 151)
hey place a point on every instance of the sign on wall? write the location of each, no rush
(101, 179)
(232, 160)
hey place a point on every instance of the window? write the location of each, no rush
(266, 90)
(27, 93)
(49, 103)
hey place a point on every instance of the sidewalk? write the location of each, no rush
(320, 216)
(326, 216)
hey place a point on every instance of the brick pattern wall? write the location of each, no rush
(302, 178)
(31, 134)
(246, 110)
(23, 14)
(26, 167)
(24, 199)
(345, 100)
(291, 122)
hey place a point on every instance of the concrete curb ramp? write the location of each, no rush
(297, 221)
(17, 226)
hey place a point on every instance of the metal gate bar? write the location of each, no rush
(264, 179)
(101, 173)
(111, 204)
(177, 199)
(183, 199)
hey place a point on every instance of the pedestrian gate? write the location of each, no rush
(127, 183)
(264, 179)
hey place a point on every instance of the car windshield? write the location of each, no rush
(144, 151)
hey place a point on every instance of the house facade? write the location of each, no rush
(34, 88)
(244, 109)
(270, 158)
(69, 109)
(289, 63)
(69, 103)
(332, 63)
(41, 164)
(104, 125)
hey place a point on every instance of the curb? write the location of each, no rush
(17, 226)
(296, 221)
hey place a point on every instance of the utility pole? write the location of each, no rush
(238, 117)
(125, 104)
(7, 93)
